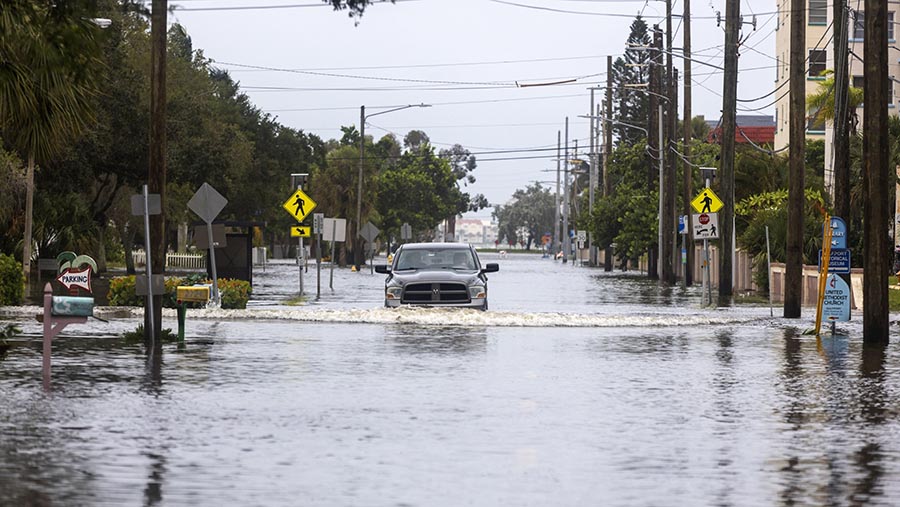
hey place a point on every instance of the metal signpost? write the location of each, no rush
(318, 226)
(299, 205)
(369, 232)
(207, 203)
(147, 204)
(708, 203)
(334, 230)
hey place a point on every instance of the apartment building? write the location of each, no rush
(819, 58)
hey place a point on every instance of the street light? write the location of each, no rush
(362, 149)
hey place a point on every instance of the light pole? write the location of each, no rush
(362, 149)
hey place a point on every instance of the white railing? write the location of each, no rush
(173, 260)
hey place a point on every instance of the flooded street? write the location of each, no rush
(578, 387)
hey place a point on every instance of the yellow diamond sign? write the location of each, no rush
(299, 205)
(707, 201)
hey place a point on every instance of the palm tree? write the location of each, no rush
(821, 104)
(49, 57)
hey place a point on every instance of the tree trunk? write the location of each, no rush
(29, 211)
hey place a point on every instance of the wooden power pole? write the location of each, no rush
(668, 237)
(793, 277)
(841, 162)
(687, 176)
(877, 211)
(729, 111)
(607, 153)
(156, 179)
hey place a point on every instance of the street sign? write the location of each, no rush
(153, 204)
(369, 232)
(201, 236)
(705, 225)
(207, 203)
(682, 224)
(839, 261)
(301, 231)
(405, 231)
(299, 205)
(836, 304)
(707, 202)
(76, 278)
(838, 233)
(334, 229)
(318, 222)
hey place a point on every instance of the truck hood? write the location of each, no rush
(424, 276)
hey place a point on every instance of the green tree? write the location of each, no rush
(530, 211)
(49, 68)
(633, 68)
(463, 164)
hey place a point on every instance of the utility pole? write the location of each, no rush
(687, 176)
(841, 161)
(729, 109)
(357, 251)
(607, 153)
(655, 150)
(593, 179)
(667, 250)
(671, 210)
(793, 270)
(876, 176)
(565, 231)
(156, 179)
(556, 208)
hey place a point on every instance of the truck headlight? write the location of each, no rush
(477, 291)
(392, 292)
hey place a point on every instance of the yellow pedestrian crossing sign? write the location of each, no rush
(301, 231)
(299, 205)
(707, 202)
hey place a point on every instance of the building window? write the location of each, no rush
(816, 62)
(815, 123)
(818, 12)
(859, 25)
(859, 82)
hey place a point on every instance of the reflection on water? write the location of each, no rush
(670, 405)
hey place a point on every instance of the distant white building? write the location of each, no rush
(481, 233)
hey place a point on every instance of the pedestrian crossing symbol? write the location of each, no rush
(299, 205)
(706, 202)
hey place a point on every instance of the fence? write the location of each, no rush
(743, 281)
(173, 260)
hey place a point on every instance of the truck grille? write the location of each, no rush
(430, 293)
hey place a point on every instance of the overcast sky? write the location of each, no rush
(313, 69)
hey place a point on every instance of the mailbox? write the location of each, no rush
(192, 294)
(70, 306)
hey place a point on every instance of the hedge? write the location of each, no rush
(233, 293)
(12, 281)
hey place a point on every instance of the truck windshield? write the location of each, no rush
(435, 259)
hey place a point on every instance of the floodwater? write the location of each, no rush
(578, 388)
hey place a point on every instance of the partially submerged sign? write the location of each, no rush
(836, 304)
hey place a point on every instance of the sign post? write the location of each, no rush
(318, 225)
(299, 205)
(706, 204)
(207, 203)
(369, 232)
(147, 204)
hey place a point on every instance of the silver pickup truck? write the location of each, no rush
(436, 274)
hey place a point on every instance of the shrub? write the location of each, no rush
(233, 293)
(12, 281)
